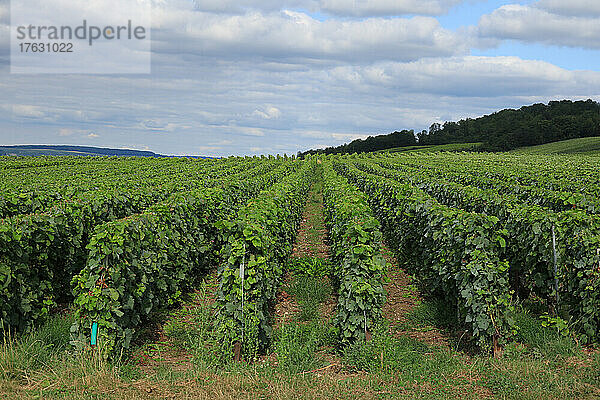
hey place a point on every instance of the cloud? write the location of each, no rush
(249, 131)
(66, 132)
(345, 8)
(579, 8)
(534, 24)
(27, 111)
(469, 77)
(290, 36)
(363, 8)
(268, 113)
(242, 6)
(158, 125)
(69, 132)
(257, 79)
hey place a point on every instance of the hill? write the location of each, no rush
(431, 149)
(372, 143)
(501, 131)
(587, 146)
(61, 150)
(528, 126)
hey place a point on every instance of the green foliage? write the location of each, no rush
(453, 253)
(554, 322)
(372, 143)
(453, 147)
(141, 264)
(309, 291)
(296, 346)
(41, 252)
(587, 146)
(527, 212)
(358, 263)
(385, 353)
(528, 126)
(35, 349)
(543, 339)
(311, 266)
(435, 312)
(260, 237)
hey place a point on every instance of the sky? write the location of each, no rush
(246, 77)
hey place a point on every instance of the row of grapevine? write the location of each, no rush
(359, 271)
(142, 263)
(559, 173)
(557, 200)
(256, 244)
(535, 235)
(34, 191)
(40, 253)
(453, 253)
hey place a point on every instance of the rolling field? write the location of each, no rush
(584, 146)
(453, 147)
(389, 275)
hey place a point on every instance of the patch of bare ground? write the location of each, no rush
(402, 298)
(311, 241)
(162, 352)
(286, 306)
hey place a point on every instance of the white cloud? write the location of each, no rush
(581, 8)
(470, 77)
(533, 24)
(250, 131)
(346, 8)
(93, 135)
(361, 8)
(158, 125)
(268, 113)
(221, 143)
(296, 37)
(4, 13)
(255, 79)
(28, 111)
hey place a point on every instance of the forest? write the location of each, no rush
(501, 131)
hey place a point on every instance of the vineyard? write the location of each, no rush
(502, 241)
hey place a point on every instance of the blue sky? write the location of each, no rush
(265, 76)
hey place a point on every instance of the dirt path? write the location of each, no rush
(161, 350)
(402, 298)
(311, 242)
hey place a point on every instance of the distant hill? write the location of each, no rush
(431, 149)
(528, 126)
(372, 143)
(587, 146)
(60, 150)
(501, 131)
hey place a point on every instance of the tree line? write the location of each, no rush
(501, 131)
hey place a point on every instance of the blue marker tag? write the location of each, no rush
(94, 339)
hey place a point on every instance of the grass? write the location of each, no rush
(35, 350)
(296, 346)
(584, 146)
(310, 292)
(542, 364)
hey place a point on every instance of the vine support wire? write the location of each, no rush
(242, 276)
(555, 265)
